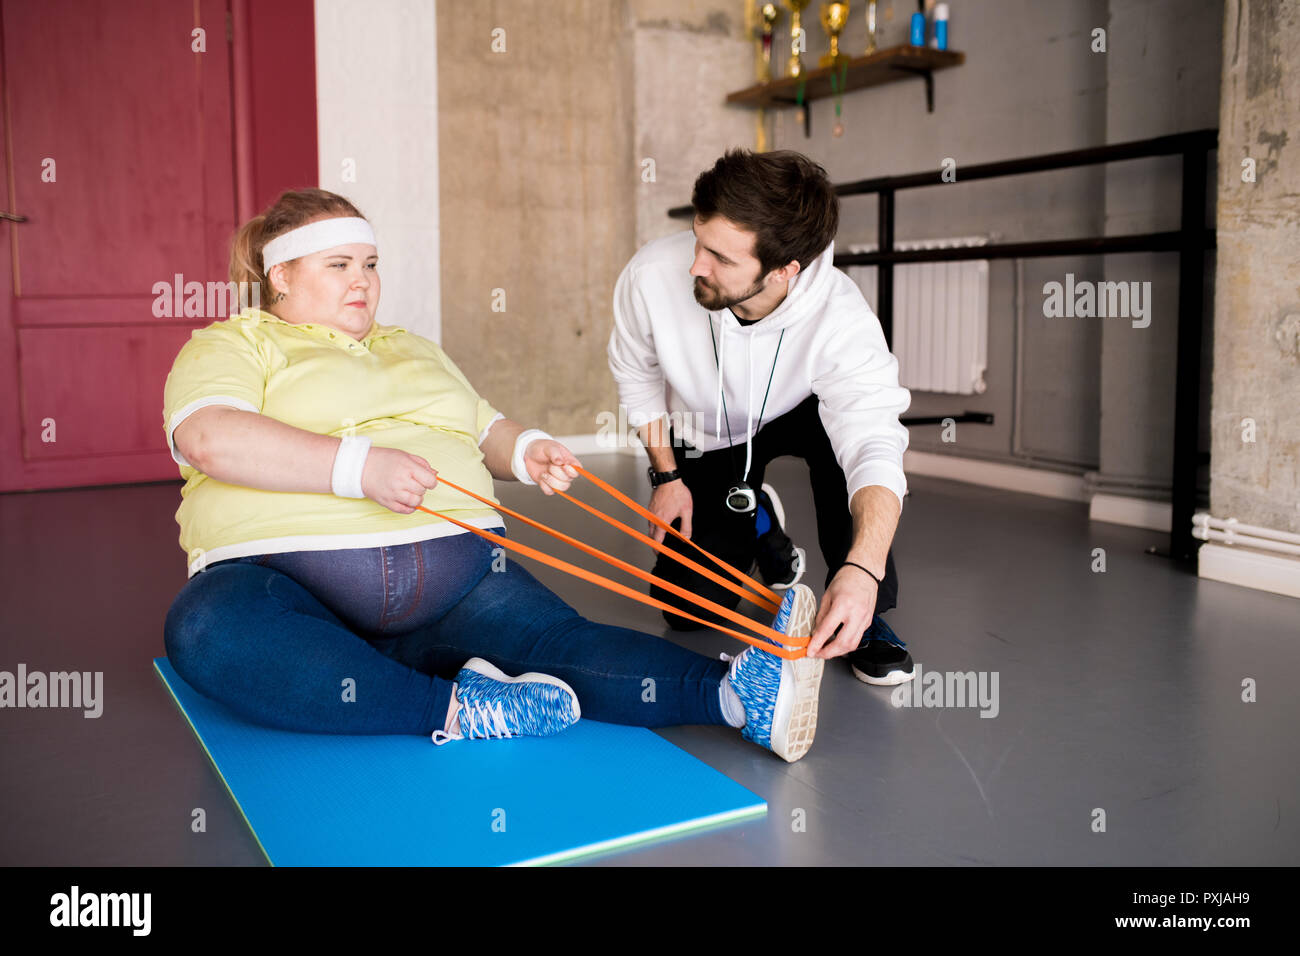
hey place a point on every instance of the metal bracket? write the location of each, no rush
(928, 76)
(974, 418)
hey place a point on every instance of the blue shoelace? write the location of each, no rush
(880, 631)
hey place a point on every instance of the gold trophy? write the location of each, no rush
(835, 17)
(871, 27)
(760, 23)
(797, 40)
(768, 17)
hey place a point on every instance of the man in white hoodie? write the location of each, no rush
(744, 326)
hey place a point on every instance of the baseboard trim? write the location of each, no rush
(1134, 512)
(996, 474)
(1249, 568)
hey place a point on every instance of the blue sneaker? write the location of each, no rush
(780, 696)
(777, 560)
(494, 705)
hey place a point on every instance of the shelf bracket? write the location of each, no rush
(928, 76)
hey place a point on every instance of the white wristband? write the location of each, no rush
(349, 463)
(525, 438)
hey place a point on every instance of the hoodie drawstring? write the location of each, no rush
(749, 405)
(719, 355)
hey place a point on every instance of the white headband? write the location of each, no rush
(314, 237)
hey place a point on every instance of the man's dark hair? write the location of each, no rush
(783, 197)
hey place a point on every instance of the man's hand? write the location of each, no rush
(550, 464)
(849, 604)
(668, 502)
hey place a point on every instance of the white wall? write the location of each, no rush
(377, 111)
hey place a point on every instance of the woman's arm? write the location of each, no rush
(499, 447)
(246, 448)
(548, 462)
(254, 450)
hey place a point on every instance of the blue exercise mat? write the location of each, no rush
(330, 800)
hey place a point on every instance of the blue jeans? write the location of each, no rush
(368, 641)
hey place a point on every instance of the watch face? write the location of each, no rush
(741, 499)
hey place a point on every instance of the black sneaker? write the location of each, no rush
(881, 658)
(780, 563)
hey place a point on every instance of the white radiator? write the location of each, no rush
(941, 317)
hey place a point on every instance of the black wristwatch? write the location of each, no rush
(658, 478)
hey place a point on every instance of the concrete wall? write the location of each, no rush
(538, 199)
(561, 156)
(1257, 301)
(686, 55)
(1068, 394)
(1029, 85)
(1033, 84)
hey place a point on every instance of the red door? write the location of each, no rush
(117, 118)
(125, 156)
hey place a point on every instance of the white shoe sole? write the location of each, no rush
(487, 669)
(776, 504)
(893, 677)
(794, 720)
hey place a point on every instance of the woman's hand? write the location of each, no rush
(396, 480)
(550, 464)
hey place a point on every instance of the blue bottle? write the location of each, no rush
(918, 29)
(941, 26)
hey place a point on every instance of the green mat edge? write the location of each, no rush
(619, 844)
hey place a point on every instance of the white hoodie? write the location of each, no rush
(663, 360)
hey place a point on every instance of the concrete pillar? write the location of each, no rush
(1255, 458)
(538, 200)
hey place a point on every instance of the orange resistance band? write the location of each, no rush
(762, 602)
(632, 569)
(769, 600)
(797, 645)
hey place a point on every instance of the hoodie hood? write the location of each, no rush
(805, 297)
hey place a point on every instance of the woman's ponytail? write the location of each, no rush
(246, 254)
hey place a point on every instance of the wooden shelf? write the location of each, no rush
(883, 66)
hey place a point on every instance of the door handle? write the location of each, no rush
(12, 217)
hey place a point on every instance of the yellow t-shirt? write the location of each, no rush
(395, 387)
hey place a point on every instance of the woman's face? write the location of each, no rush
(336, 287)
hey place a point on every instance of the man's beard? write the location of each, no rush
(715, 301)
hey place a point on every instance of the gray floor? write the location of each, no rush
(1119, 691)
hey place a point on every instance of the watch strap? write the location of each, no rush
(658, 478)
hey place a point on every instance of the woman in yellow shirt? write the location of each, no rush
(321, 600)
